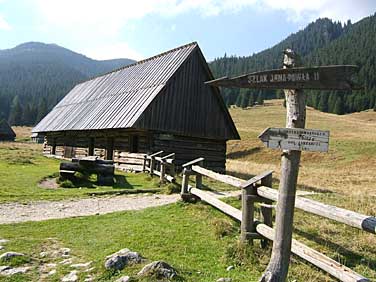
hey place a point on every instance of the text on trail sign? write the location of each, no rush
(296, 139)
(321, 78)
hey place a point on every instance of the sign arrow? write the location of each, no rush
(337, 77)
(297, 139)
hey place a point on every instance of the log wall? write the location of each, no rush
(185, 148)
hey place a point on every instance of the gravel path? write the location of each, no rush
(43, 210)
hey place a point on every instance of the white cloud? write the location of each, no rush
(110, 51)
(342, 10)
(4, 24)
(93, 22)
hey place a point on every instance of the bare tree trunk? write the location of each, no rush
(279, 263)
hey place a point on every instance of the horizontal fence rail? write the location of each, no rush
(165, 164)
(253, 229)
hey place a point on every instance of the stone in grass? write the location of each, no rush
(122, 258)
(229, 268)
(124, 279)
(3, 241)
(8, 271)
(159, 269)
(71, 277)
(81, 265)
(222, 279)
(10, 255)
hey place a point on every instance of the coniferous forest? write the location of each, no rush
(34, 77)
(323, 42)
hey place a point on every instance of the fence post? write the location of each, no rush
(162, 171)
(199, 176)
(267, 211)
(152, 164)
(184, 184)
(144, 164)
(247, 223)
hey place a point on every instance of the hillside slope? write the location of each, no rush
(321, 42)
(35, 76)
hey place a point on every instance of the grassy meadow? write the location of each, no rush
(196, 239)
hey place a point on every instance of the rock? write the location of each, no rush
(9, 255)
(43, 254)
(66, 261)
(160, 269)
(64, 252)
(8, 271)
(3, 241)
(90, 269)
(1, 247)
(124, 279)
(122, 258)
(52, 272)
(81, 265)
(89, 278)
(224, 279)
(229, 268)
(51, 265)
(71, 277)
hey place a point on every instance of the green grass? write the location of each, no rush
(22, 167)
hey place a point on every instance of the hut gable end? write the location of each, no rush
(186, 106)
(6, 132)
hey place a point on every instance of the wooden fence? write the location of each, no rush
(164, 167)
(252, 228)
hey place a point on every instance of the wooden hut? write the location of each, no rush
(6, 132)
(160, 103)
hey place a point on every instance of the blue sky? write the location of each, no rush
(139, 29)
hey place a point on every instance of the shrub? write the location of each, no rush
(66, 184)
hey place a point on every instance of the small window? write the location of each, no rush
(134, 144)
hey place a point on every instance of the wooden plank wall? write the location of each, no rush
(189, 148)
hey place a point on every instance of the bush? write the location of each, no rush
(67, 184)
(172, 188)
(222, 228)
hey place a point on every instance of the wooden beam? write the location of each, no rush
(255, 179)
(155, 154)
(351, 218)
(228, 179)
(172, 155)
(193, 162)
(227, 209)
(318, 259)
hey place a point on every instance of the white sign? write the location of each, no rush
(296, 139)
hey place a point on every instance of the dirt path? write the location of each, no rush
(43, 210)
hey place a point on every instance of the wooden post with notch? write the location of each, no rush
(277, 268)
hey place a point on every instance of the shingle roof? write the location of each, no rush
(116, 99)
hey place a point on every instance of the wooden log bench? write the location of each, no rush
(104, 169)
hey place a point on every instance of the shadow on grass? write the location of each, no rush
(120, 182)
(244, 153)
(352, 258)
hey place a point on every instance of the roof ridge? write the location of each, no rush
(143, 61)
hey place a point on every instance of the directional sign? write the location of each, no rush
(296, 139)
(322, 78)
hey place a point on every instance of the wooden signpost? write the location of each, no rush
(292, 139)
(296, 139)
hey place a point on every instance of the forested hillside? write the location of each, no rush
(35, 76)
(323, 42)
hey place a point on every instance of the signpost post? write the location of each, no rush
(292, 139)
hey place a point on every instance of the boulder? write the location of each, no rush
(159, 269)
(124, 279)
(9, 255)
(222, 279)
(122, 258)
(8, 271)
(71, 277)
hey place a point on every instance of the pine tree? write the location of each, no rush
(42, 110)
(15, 116)
(339, 106)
